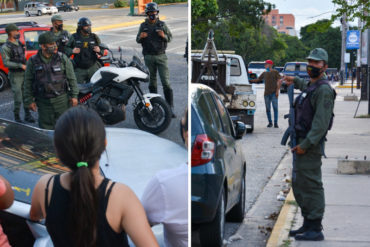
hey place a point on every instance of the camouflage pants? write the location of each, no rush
(50, 110)
(16, 80)
(158, 63)
(84, 75)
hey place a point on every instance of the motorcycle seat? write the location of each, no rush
(85, 88)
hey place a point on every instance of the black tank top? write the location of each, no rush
(57, 217)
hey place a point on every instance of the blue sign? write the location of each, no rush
(353, 40)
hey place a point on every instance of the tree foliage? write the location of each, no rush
(353, 9)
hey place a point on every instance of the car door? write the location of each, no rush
(232, 162)
(33, 10)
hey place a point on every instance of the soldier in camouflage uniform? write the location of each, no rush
(50, 85)
(61, 36)
(13, 54)
(314, 116)
(154, 35)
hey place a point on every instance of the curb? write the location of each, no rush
(343, 86)
(282, 226)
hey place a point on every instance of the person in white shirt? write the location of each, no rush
(165, 199)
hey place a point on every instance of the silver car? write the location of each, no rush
(132, 157)
(37, 8)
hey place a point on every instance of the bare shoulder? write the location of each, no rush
(43, 180)
(122, 194)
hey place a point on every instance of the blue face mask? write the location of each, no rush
(268, 69)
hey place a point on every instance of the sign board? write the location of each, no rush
(347, 58)
(353, 40)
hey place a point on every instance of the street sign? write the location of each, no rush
(353, 40)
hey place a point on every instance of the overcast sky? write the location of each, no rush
(306, 12)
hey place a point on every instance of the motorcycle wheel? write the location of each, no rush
(155, 121)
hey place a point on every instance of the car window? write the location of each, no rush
(31, 38)
(303, 67)
(290, 67)
(225, 119)
(205, 111)
(3, 38)
(196, 127)
(217, 125)
(256, 66)
(235, 67)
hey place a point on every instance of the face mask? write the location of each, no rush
(87, 30)
(17, 36)
(59, 27)
(152, 17)
(267, 69)
(313, 72)
(51, 49)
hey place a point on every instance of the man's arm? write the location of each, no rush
(260, 78)
(27, 87)
(71, 78)
(167, 33)
(69, 46)
(6, 53)
(138, 39)
(6, 193)
(300, 83)
(324, 104)
(154, 202)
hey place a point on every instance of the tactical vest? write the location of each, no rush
(62, 40)
(50, 78)
(304, 111)
(17, 54)
(153, 44)
(87, 56)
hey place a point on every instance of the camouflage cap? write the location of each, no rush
(56, 18)
(318, 54)
(11, 27)
(46, 38)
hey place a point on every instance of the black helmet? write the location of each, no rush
(151, 7)
(83, 22)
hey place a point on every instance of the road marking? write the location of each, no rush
(120, 25)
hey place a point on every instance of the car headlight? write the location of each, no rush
(252, 103)
(245, 103)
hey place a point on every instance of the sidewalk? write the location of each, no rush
(347, 214)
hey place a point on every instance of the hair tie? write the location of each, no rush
(80, 164)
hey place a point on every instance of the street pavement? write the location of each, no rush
(109, 22)
(346, 220)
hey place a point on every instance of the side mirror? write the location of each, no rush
(239, 129)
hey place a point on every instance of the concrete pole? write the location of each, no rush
(358, 70)
(343, 51)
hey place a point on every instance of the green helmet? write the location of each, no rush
(11, 27)
(56, 18)
(46, 38)
(318, 54)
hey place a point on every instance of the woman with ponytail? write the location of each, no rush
(82, 208)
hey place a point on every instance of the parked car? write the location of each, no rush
(66, 7)
(37, 8)
(218, 166)
(255, 69)
(29, 32)
(294, 69)
(27, 153)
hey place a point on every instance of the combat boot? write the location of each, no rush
(314, 232)
(300, 230)
(17, 118)
(28, 117)
(168, 94)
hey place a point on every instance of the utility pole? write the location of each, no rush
(358, 69)
(343, 51)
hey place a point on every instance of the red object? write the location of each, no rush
(269, 62)
(22, 31)
(203, 150)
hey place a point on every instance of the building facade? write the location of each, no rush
(283, 23)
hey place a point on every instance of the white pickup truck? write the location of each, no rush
(238, 94)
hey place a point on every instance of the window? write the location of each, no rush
(256, 66)
(290, 67)
(303, 67)
(216, 119)
(209, 112)
(235, 67)
(224, 115)
(31, 38)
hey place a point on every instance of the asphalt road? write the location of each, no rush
(176, 19)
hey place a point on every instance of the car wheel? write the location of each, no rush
(39, 13)
(237, 213)
(28, 14)
(3, 80)
(212, 234)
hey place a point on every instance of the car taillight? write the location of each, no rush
(203, 150)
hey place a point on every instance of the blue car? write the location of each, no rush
(294, 69)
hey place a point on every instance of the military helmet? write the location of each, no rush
(46, 38)
(56, 18)
(151, 7)
(11, 27)
(83, 22)
(318, 54)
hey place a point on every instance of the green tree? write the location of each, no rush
(322, 34)
(353, 9)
